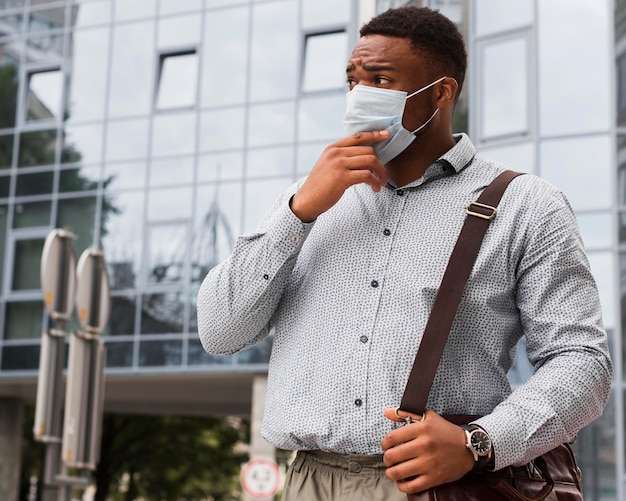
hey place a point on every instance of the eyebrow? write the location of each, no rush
(371, 67)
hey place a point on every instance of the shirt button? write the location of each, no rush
(386, 232)
(266, 277)
(400, 193)
(358, 402)
(374, 283)
(363, 339)
(295, 239)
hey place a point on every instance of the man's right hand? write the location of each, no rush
(347, 162)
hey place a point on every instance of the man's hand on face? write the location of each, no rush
(425, 453)
(347, 162)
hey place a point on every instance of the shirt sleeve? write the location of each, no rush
(567, 345)
(238, 297)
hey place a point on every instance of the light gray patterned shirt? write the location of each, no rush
(349, 296)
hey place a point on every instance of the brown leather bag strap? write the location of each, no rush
(479, 215)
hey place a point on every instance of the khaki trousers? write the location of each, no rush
(322, 476)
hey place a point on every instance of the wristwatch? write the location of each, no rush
(479, 444)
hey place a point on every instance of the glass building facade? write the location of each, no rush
(163, 129)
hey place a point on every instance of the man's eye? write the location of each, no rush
(381, 81)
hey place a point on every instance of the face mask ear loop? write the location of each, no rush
(425, 123)
(427, 87)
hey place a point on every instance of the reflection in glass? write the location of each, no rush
(127, 139)
(221, 129)
(6, 151)
(122, 318)
(171, 171)
(167, 204)
(132, 70)
(8, 88)
(176, 6)
(32, 214)
(603, 271)
(197, 356)
(566, 163)
(621, 89)
(596, 229)
(270, 162)
(23, 320)
(137, 9)
(271, 123)
(4, 210)
(160, 353)
(82, 143)
(582, 106)
(46, 20)
(325, 12)
(122, 238)
(324, 61)
(321, 118)
(257, 354)
(163, 313)
(174, 134)
(178, 80)
(272, 61)
(119, 354)
(217, 223)
(78, 214)
(37, 148)
(46, 49)
(228, 30)
(180, 31)
(90, 13)
(259, 198)
(5, 186)
(44, 95)
(492, 16)
(39, 183)
(87, 87)
(166, 252)
(10, 24)
(308, 154)
(125, 175)
(220, 167)
(79, 179)
(26, 264)
(504, 88)
(520, 157)
(20, 358)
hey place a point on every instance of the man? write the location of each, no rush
(348, 263)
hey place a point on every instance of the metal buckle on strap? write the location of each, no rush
(475, 212)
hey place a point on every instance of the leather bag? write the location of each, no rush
(552, 476)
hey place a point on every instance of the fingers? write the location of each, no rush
(363, 138)
(399, 416)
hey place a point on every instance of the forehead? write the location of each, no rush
(380, 51)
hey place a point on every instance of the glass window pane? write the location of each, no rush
(78, 214)
(257, 354)
(160, 353)
(163, 313)
(82, 179)
(132, 70)
(39, 183)
(166, 253)
(596, 229)
(519, 156)
(137, 9)
(317, 13)
(9, 78)
(271, 124)
(11, 24)
(324, 61)
(26, 264)
(122, 237)
(127, 139)
(227, 29)
(4, 210)
(197, 356)
(6, 150)
(23, 320)
(504, 88)
(321, 118)
(180, 31)
(20, 358)
(220, 167)
(274, 54)
(5, 186)
(218, 216)
(125, 175)
(176, 6)
(566, 163)
(122, 319)
(165, 204)
(603, 271)
(171, 171)
(46, 20)
(32, 214)
(46, 49)
(90, 13)
(119, 354)
(308, 154)
(174, 134)
(82, 144)
(87, 85)
(259, 198)
(583, 107)
(44, 95)
(178, 81)
(270, 162)
(492, 16)
(221, 129)
(37, 148)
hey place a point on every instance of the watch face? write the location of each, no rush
(480, 442)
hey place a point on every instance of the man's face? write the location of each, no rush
(392, 63)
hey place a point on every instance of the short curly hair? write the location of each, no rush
(431, 33)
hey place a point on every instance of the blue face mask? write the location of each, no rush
(372, 108)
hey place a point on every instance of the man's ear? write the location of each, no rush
(448, 89)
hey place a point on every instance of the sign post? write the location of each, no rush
(260, 478)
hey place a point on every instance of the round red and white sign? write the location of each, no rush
(260, 478)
